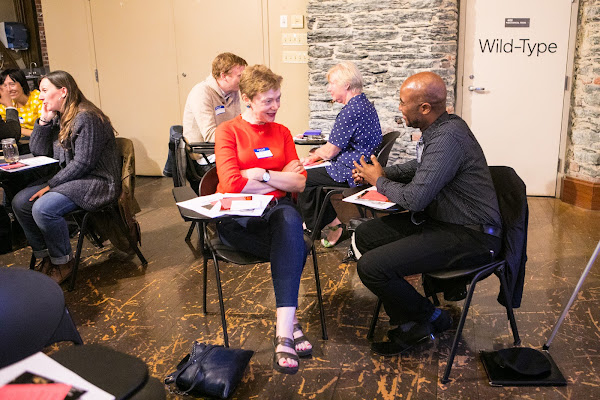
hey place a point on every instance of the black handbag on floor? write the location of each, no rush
(210, 370)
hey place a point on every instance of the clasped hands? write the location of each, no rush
(364, 172)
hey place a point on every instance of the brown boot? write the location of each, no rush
(44, 266)
(60, 273)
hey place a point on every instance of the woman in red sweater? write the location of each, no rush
(256, 155)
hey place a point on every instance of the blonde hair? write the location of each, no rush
(75, 102)
(348, 74)
(258, 79)
(224, 63)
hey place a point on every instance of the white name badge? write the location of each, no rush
(219, 110)
(263, 153)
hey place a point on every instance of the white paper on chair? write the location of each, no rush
(357, 199)
(219, 204)
(42, 365)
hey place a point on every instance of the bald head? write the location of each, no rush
(428, 87)
(422, 99)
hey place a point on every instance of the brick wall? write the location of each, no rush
(388, 40)
(42, 32)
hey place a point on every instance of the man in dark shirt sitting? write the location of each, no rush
(453, 216)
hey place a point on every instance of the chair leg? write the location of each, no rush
(461, 324)
(190, 231)
(82, 231)
(221, 305)
(319, 293)
(204, 279)
(32, 261)
(509, 310)
(374, 319)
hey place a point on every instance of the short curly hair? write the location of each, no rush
(258, 79)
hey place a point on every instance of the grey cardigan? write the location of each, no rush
(90, 168)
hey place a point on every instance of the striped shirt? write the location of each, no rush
(452, 183)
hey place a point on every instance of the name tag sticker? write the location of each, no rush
(263, 153)
(219, 110)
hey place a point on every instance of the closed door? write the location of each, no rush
(204, 29)
(513, 86)
(135, 53)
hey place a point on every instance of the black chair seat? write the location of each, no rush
(122, 375)
(231, 255)
(451, 274)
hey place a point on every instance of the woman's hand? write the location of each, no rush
(39, 193)
(368, 172)
(46, 115)
(253, 174)
(4, 97)
(310, 159)
(294, 166)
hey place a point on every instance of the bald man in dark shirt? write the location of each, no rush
(453, 214)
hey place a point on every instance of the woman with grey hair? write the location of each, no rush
(356, 132)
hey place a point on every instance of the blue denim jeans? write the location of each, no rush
(277, 236)
(43, 223)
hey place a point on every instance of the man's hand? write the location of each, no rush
(253, 174)
(39, 193)
(367, 172)
(294, 166)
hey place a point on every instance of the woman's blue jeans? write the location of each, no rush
(43, 223)
(276, 236)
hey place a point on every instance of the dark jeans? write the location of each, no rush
(309, 201)
(393, 247)
(43, 223)
(276, 236)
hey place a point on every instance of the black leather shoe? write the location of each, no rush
(418, 333)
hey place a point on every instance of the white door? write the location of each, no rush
(513, 86)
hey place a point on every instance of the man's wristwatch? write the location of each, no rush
(266, 176)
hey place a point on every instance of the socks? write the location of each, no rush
(435, 314)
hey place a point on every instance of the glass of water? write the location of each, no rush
(10, 150)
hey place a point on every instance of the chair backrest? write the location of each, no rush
(179, 158)
(33, 314)
(383, 151)
(209, 182)
(512, 201)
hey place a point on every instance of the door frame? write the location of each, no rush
(565, 120)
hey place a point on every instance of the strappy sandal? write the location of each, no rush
(287, 342)
(301, 339)
(345, 235)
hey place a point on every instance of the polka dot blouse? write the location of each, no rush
(356, 132)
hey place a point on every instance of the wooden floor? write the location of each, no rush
(156, 312)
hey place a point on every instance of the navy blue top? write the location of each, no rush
(356, 132)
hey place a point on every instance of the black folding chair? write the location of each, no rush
(216, 250)
(512, 200)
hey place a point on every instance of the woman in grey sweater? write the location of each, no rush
(77, 133)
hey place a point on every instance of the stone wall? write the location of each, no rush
(388, 40)
(583, 154)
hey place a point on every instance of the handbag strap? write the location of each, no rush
(172, 378)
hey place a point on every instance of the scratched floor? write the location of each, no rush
(155, 313)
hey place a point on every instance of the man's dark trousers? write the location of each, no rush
(394, 247)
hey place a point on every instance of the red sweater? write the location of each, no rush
(235, 143)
